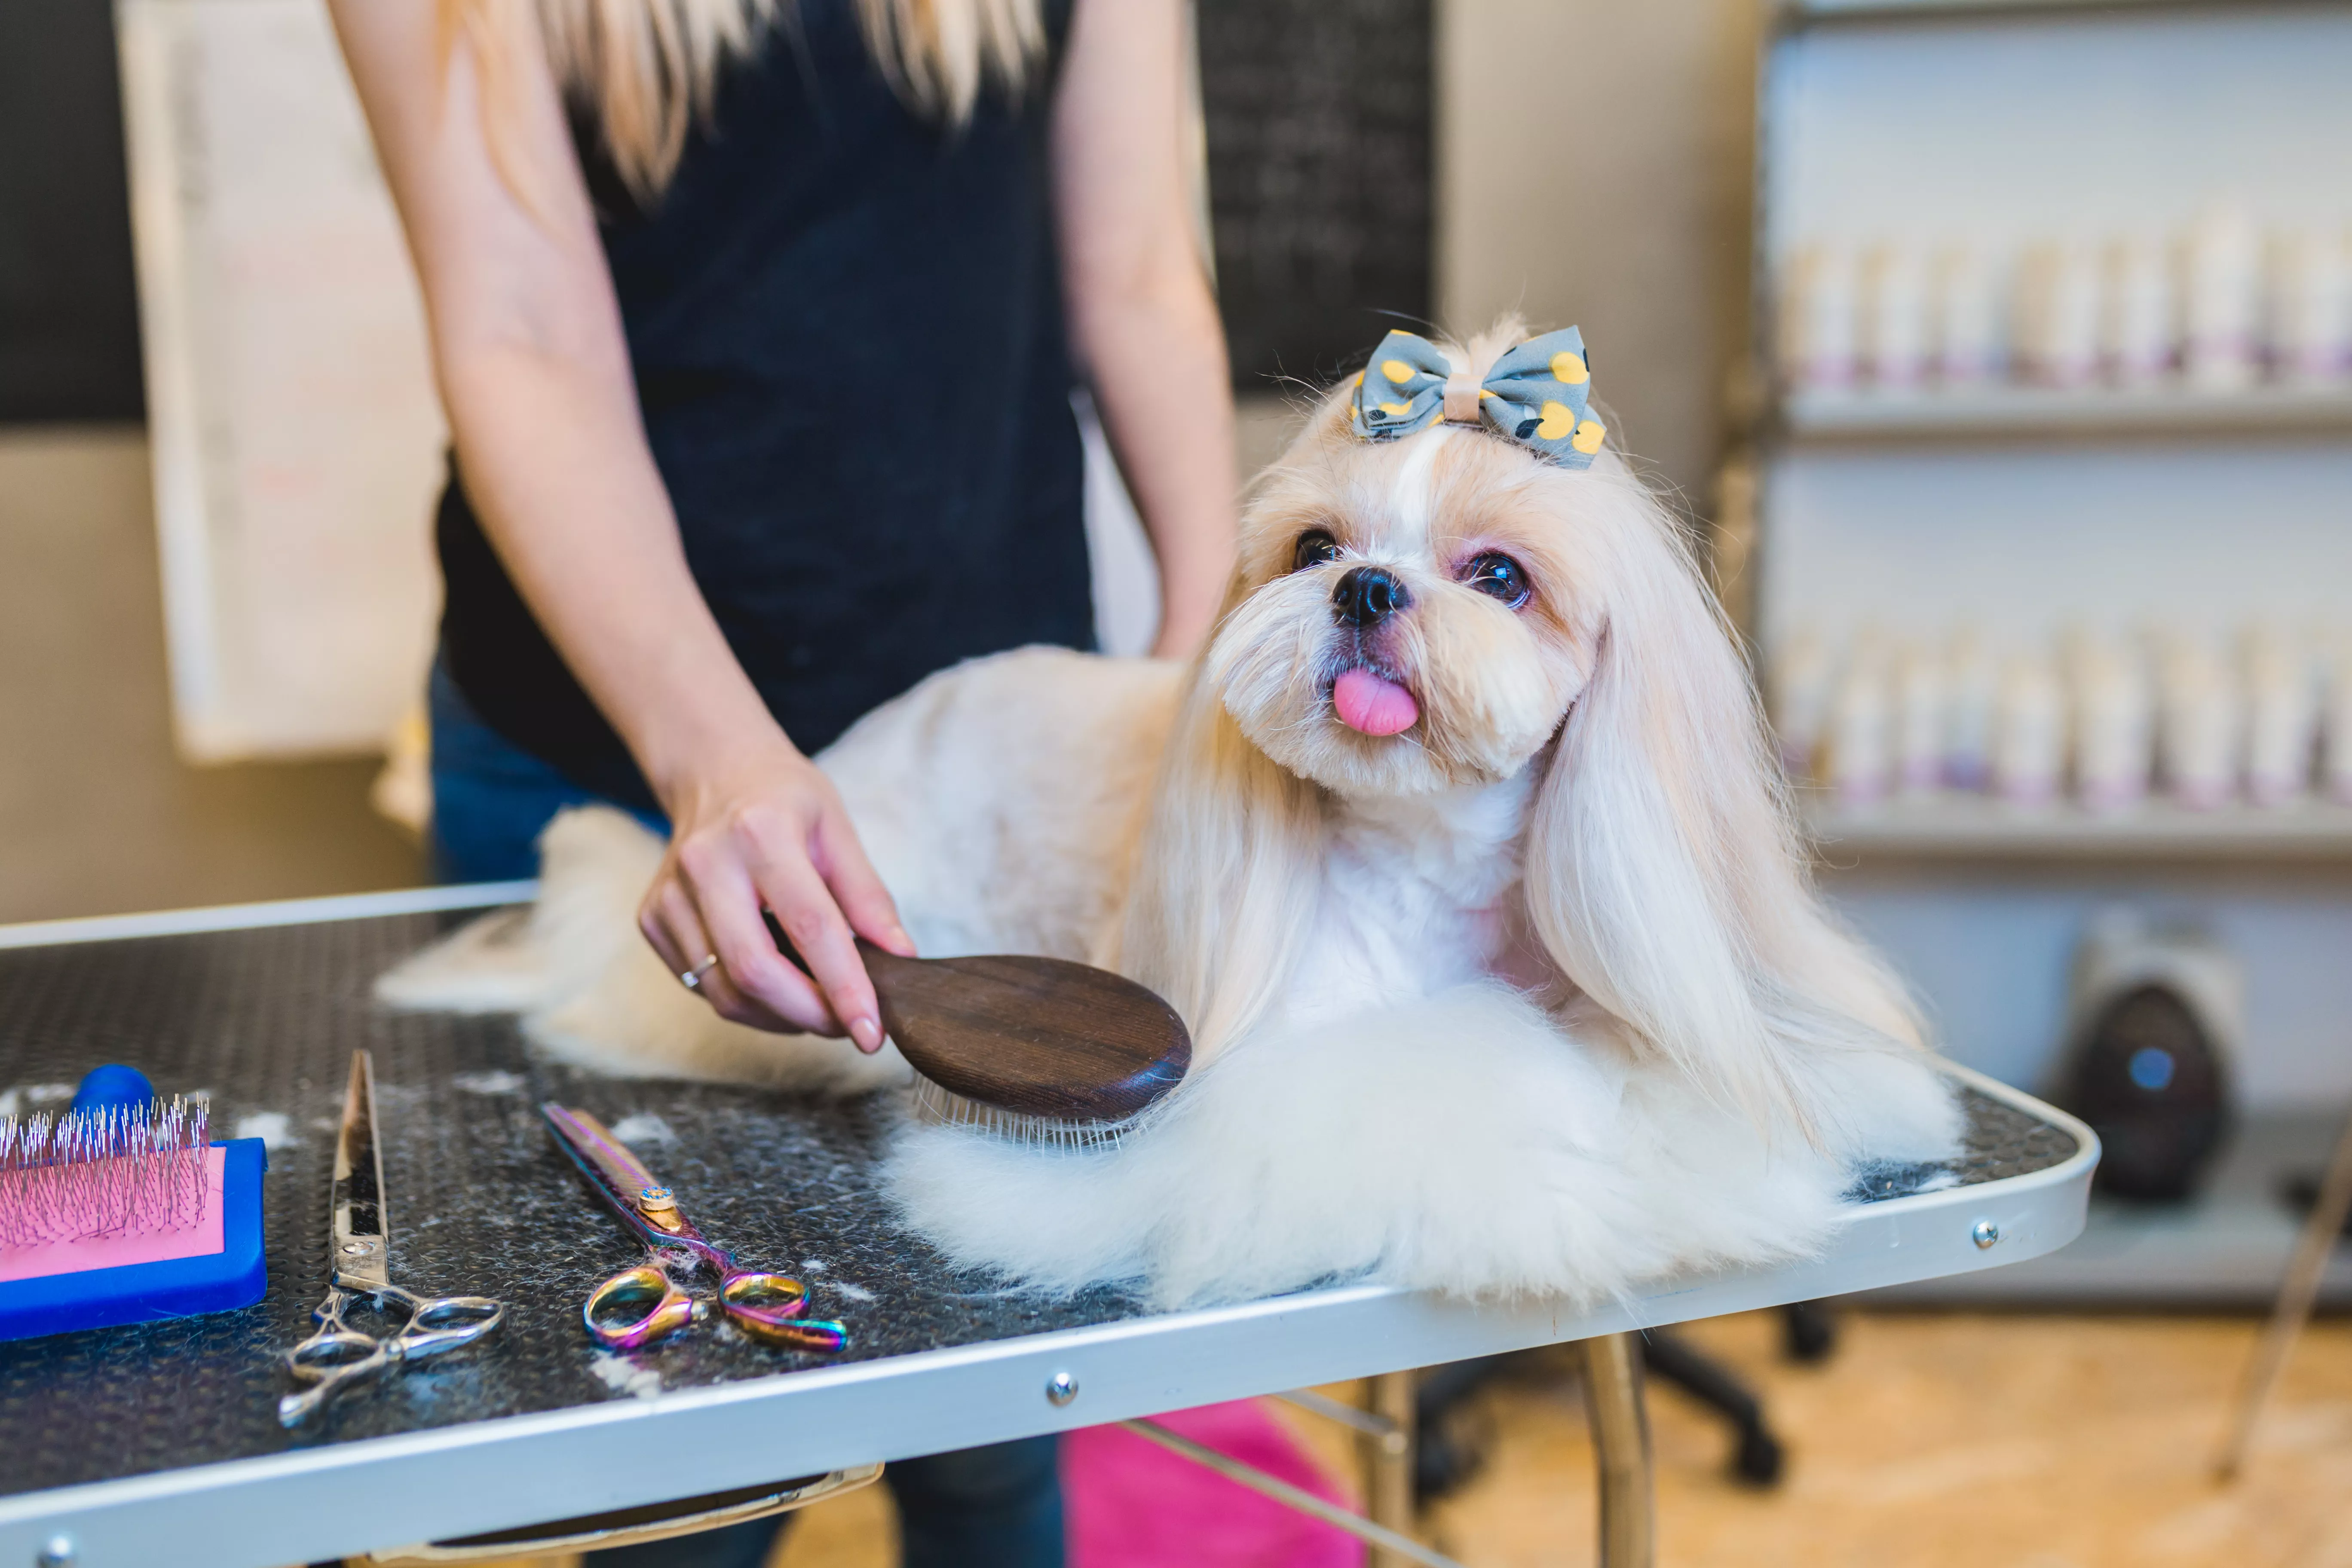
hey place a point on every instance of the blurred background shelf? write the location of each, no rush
(1957, 825)
(1993, 131)
(2226, 1248)
(2031, 411)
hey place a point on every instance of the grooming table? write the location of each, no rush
(160, 1442)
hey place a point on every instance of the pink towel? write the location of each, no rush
(1132, 1504)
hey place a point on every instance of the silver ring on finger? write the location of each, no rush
(692, 978)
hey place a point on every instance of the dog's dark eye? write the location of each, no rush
(1314, 548)
(1498, 576)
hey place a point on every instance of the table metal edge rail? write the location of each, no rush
(2075, 1166)
(726, 1434)
(278, 913)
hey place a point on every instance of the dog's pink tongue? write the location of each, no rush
(1372, 705)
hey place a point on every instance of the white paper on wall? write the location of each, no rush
(296, 438)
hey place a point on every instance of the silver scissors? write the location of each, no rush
(338, 1356)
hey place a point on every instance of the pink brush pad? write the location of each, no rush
(202, 1239)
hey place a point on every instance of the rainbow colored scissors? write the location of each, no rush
(640, 1305)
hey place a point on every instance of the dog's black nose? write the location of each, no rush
(1367, 595)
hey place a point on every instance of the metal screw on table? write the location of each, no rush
(1985, 1234)
(57, 1552)
(1061, 1388)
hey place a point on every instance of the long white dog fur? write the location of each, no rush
(1533, 996)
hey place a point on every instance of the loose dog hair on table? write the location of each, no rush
(1459, 848)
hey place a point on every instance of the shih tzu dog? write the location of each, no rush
(1459, 848)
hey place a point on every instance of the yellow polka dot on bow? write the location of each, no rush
(1396, 410)
(1397, 371)
(1558, 422)
(1568, 369)
(1589, 436)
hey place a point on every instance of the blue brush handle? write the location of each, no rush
(113, 1087)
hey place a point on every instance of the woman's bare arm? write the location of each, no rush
(534, 371)
(1140, 313)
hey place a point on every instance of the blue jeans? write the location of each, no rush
(998, 1506)
(490, 797)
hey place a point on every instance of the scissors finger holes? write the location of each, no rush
(636, 1306)
(325, 1353)
(765, 1295)
(767, 1306)
(795, 1334)
(456, 1312)
(811, 1334)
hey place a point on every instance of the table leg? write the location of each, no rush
(1389, 1464)
(1620, 1444)
(2297, 1292)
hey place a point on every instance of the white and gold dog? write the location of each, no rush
(1459, 848)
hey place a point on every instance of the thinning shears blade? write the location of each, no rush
(361, 1226)
(619, 1177)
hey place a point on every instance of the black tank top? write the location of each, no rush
(845, 326)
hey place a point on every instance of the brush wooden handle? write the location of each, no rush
(1036, 1036)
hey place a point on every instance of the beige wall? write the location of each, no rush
(1593, 169)
(97, 814)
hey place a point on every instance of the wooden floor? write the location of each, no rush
(1955, 1442)
(1927, 1441)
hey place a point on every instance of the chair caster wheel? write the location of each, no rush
(1760, 1458)
(1807, 1331)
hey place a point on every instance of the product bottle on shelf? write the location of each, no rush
(2311, 306)
(2337, 727)
(1967, 317)
(2221, 299)
(1894, 319)
(1819, 300)
(2057, 314)
(1861, 737)
(1802, 673)
(1920, 723)
(2114, 722)
(2282, 716)
(2029, 748)
(1971, 690)
(2199, 719)
(2135, 312)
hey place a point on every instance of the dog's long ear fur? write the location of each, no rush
(1223, 874)
(1663, 874)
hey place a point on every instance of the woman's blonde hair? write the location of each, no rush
(646, 69)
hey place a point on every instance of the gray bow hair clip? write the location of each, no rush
(1536, 395)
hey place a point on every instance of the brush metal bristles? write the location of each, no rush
(114, 1172)
(939, 1107)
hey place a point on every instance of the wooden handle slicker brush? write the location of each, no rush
(1035, 1050)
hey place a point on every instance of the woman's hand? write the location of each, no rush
(765, 829)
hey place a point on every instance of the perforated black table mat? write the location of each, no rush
(264, 1020)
